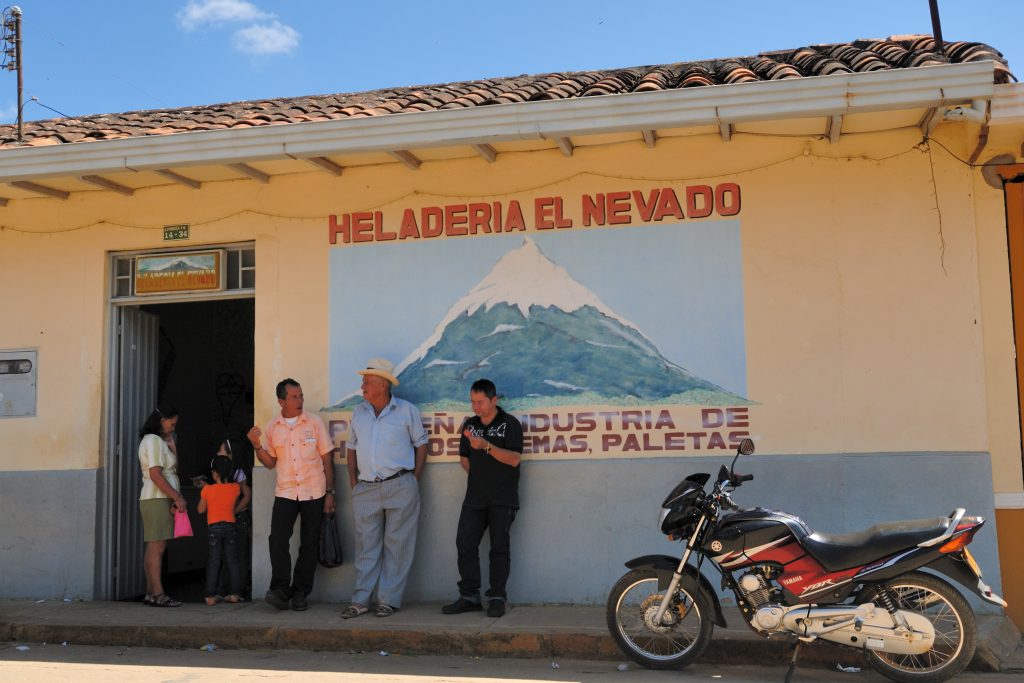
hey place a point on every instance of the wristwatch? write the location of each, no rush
(488, 448)
(330, 491)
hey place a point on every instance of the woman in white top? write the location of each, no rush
(161, 495)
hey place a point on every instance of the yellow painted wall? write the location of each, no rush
(870, 326)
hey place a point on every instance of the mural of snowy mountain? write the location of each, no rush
(545, 340)
(181, 264)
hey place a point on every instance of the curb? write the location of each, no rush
(558, 632)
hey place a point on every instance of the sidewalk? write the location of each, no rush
(530, 631)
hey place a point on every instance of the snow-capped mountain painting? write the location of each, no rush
(545, 339)
(177, 264)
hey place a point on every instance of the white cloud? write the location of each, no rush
(199, 12)
(266, 39)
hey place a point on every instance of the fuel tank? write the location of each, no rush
(756, 536)
(769, 537)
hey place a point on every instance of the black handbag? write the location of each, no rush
(330, 543)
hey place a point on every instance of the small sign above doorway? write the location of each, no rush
(190, 271)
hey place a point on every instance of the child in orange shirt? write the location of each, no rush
(217, 500)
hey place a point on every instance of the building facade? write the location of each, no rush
(812, 248)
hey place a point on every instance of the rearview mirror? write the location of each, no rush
(746, 447)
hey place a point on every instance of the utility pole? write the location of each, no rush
(12, 51)
(936, 25)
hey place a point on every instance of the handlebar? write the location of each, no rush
(740, 478)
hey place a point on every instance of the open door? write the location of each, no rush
(133, 397)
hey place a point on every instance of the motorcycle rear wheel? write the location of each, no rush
(955, 630)
(630, 609)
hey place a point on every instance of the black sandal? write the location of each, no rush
(164, 600)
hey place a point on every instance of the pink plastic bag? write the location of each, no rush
(182, 525)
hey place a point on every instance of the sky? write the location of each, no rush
(86, 57)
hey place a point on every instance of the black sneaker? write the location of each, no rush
(299, 603)
(496, 608)
(461, 605)
(276, 597)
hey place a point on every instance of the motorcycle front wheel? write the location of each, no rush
(682, 636)
(952, 619)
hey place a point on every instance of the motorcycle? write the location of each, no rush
(860, 590)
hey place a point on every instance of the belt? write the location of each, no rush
(396, 475)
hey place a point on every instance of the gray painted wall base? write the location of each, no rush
(47, 540)
(580, 521)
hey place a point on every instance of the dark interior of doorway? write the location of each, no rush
(205, 370)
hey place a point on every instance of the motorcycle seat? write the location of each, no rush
(836, 552)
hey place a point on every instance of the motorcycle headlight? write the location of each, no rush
(662, 515)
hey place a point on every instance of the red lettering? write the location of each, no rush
(664, 420)
(579, 443)
(560, 220)
(618, 208)
(562, 428)
(668, 205)
(585, 422)
(648, 446)
(362, 227)
(712, 417)
(333, 229)
(737, 417)
(727, 199)
(455, 220)
(706, 195)
(610, 441)
(736, 437)
(514, 221)
(631, 443)
(675, 441)
(409, 227)
(432, 219)
(542, 210)
(378, 228)
(560, 445)
(479, 218)
(497, 218)
(646, 206)
(593, 209)
(632, 418)
(716, 441)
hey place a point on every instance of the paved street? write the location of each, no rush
(43, 663)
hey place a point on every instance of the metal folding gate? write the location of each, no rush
(133, 397)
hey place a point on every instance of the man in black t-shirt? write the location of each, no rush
(490, 451)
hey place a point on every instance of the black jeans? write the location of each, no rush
(472, 524)
(222, 538)
(243, 528)
(282, 523)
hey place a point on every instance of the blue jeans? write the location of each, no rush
(223, 546)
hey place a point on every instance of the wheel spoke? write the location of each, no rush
(945, 620)
(636, 608)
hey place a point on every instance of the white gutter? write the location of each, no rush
(840, 94)
(1008, 105)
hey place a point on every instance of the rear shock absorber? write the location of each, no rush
(885, 597)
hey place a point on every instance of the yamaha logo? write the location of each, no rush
(716, 546)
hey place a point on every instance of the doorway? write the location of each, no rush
(197, 356)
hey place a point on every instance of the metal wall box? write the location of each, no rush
(18, 372)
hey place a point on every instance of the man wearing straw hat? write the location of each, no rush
(387, 447)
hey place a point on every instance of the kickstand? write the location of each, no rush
(792, 662)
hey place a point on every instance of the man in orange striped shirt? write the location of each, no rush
(300, 450)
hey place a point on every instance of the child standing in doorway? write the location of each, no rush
(217, 501)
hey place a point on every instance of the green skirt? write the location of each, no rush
(157, 520)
